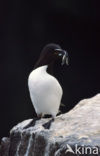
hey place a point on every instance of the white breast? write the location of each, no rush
(45, 92)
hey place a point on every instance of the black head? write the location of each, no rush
(50, 54)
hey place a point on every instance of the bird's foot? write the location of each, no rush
(48, 124)
(32, 123)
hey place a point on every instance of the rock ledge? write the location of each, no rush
(79, 128)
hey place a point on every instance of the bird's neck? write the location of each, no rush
(49, 67)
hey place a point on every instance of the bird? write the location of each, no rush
(44, 89)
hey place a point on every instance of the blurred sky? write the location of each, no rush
(25, 27)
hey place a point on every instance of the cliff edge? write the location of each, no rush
(74, 133)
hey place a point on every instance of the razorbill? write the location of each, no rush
(45, 90)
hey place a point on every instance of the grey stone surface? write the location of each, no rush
(79, 128)
(4, 147)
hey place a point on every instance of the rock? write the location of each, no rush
(4, 147)
(76, 132)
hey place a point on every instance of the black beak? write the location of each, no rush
(64, 55)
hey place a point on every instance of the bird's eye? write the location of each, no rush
(56, 53)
